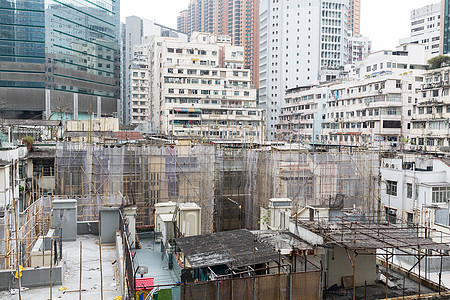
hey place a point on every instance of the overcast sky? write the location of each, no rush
(384, 21)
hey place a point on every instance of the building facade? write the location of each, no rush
(373, 109)
(22, 59)
(425, 28)
(416, 189)
(359, 47)
(431, 112)
(138, 33)
(83, 58)
(139, 82)
(201, 90)
(354, 17)
(238, 19)
(301, 43)
(60, 59)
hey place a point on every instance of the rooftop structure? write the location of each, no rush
(235, 249)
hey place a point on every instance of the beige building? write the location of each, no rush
(201, 89)
(93, 130)
(430, 121)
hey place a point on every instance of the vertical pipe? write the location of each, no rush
(306, 261)
(100, 250)
(51, 269)
(354, 275)
(81, 265)
(419, 270)
(440, 272)
(16, 221)
(43, 251)
(387, 274)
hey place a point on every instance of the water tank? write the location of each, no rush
(189, 219)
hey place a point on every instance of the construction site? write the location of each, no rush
(231, 183)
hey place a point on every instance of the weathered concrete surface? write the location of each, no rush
(109, 224)
(65, 215)
(90, 273)
(31, 278)
(87, 227)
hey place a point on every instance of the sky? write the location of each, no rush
(383, 21)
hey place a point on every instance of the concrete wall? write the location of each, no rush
(69, 218)
(31, 278)
(87, 227)
(339, 265)
(109, 224)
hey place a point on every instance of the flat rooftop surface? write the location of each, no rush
(150, 255)
(90, 280)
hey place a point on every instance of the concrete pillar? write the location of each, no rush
(109, 224)
(75, 106)
(130, 215)
(48, 110)
(99, 107)
(119, 111)
(65, 216)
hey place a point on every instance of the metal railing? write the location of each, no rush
(130, 270)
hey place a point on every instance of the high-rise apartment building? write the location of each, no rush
(354, 16)
(425, 28)
(59, 59)
(302, 42)
(138, 31)
(200, 89)
(183, 21)
(238, 19)
(139, 86)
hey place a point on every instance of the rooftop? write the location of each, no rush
(361, 235)
(237, 248)
(90, 281)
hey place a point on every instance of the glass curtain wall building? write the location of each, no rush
(445, 27)
(22, 58)
(75, 48)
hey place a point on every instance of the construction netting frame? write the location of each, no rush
(229, 183)
(334, 179)
(138, 174)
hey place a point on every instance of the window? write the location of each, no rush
(409, 190)
(440, 194)
(391, 188)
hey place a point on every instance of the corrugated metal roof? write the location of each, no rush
(237, 248)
